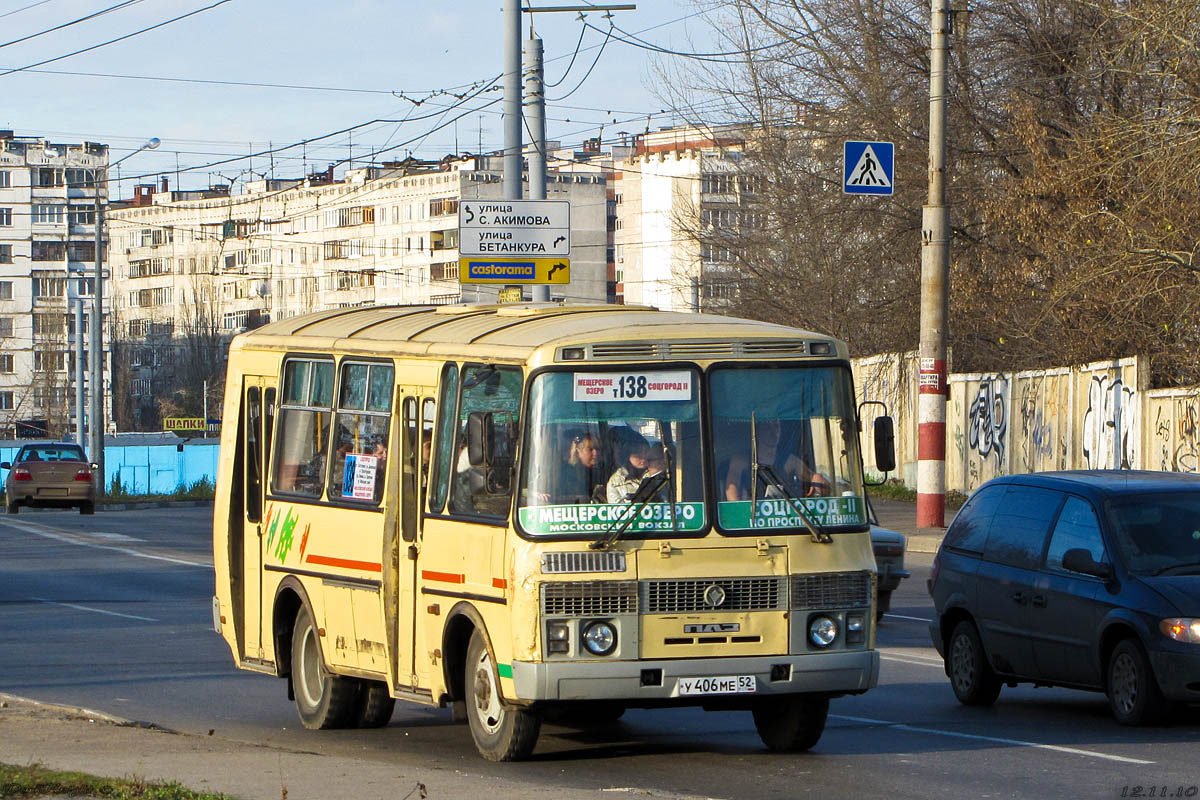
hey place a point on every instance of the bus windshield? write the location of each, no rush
(613, 451)
(782, 438)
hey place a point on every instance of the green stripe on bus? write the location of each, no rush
(505, 670)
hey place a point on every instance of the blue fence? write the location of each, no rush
(149, 469)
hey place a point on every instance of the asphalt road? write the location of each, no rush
(113, 612)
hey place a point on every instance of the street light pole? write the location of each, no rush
(96, 355)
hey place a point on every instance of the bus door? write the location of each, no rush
(258, 409)
(417, 421)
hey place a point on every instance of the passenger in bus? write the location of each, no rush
(643, 462)
(581, 479)
(796, 475)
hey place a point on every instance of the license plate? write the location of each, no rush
(718, 684)
(52, 492)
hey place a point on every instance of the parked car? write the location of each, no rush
(889, 562)
(50, 475)
(1088, 580)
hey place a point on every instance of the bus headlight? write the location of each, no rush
(599, 638)
(558, 637)
(856, 629)
(822, 631)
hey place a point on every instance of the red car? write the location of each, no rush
(51, 475)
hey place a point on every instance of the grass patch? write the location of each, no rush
(894, 489)
(200, 490)
(35, 780)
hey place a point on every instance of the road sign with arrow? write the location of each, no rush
(514, 271)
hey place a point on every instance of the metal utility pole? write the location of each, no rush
(96, 355)
(77, 301)
(511, 183)
(932, 386)
(535, 102)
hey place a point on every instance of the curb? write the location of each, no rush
(136, 505)
(76, 711)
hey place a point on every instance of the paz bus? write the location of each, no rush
(545, 512)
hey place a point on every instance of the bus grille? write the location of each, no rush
(586, 561)
(741, 594)
(589, 598)
(832, 590)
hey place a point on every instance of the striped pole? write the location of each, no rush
(932, 388)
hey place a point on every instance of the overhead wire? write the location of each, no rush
(118, 39)
(100, 13)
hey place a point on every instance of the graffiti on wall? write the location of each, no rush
(1110, 432)
(1178, 438)
(1039, 413)
(987, 431)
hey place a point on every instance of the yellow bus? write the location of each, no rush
(545, 512)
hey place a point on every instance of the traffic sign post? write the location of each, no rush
(514, 241)
(868, 167)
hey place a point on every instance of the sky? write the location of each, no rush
(361, 60)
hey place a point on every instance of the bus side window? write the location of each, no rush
(254, 459)
(360, 432)
(409, 478)
(486, 489)
(428, 415)
(304, 419)
(444, 443)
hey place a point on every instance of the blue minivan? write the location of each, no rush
(1088, 580)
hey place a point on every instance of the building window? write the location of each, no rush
(49, 361)
(5, 179)
(6, 327)
(81, 251)
(80, 177)
(6, 290)
(6, 254)
(48, 176)
(6, 401)
(5, 217)
(49, 287)
(6, 364)
(49, 251)
(82, 215)
(48, 214)
(443, 206)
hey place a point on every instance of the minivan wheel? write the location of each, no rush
(973, 681)
(1133, 692)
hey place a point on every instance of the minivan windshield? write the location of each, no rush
(614, 452)
(785, 440)
(1157, 533)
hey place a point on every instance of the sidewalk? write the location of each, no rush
(62, 738)
(902, 518)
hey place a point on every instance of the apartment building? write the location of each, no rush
(47, 258)
(186, 267)
(672, 191)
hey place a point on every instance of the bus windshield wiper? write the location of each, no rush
(646, 490)
(766, 473)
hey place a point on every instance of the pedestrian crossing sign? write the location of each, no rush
(868, 168)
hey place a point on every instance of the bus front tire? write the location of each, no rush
(793, 723)
(375, 705)
(322, 700)
(500, 733)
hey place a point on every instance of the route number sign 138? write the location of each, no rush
(651, 386)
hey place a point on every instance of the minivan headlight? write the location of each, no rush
(1181, 629)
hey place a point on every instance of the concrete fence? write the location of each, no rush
(148, 469)
(1093, 416)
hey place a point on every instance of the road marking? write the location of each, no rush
(37, 531)
(96, 610)
(924, 661)
(1075, 751)
(914, 619)
(114, 537)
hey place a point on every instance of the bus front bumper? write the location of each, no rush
(832, 673)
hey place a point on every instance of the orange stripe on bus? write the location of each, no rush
(369, 566)
(444, 577)
(499, 583)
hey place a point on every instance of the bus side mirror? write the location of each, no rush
(481, 433)
(884, 435)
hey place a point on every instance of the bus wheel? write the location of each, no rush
(322, 700)
(500, 734)
(791, 723)
(375, 705)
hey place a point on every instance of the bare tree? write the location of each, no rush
(1074, 157)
